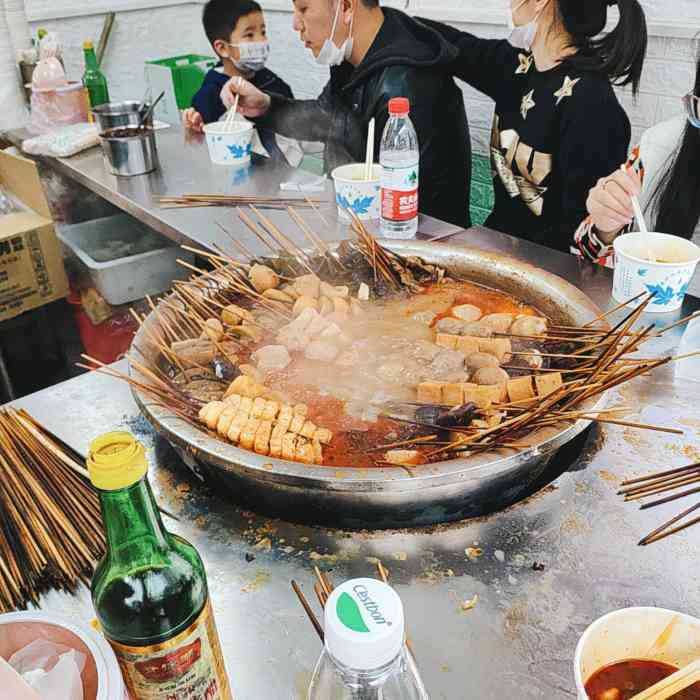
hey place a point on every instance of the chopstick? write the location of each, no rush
(231, 116)
(369, 154)
(307, 608)
(639, 215)
(673, 684)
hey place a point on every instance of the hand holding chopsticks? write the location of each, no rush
(231, 116)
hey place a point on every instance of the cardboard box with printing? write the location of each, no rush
(31, 257)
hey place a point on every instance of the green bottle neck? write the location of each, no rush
(91, 60)
(131, 517)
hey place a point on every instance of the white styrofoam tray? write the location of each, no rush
(104, 247)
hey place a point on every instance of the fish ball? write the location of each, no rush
(489, 376)
(481, 360)
(213, 329)
(467, 312)
(529, 325)
(499, 323)
(263, 278)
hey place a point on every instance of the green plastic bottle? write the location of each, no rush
(94, 80)
(150, 589)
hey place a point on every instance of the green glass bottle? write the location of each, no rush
(94, 80)
(150, 589)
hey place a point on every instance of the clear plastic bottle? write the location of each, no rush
(399, 157)
(365, 655)
(689, 368)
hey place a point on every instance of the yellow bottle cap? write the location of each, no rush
(116, 461)
(88, 45)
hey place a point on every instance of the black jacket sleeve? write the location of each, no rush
(207, 101)
(482, 63)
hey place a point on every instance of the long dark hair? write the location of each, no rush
(677, 196)
(619, 54)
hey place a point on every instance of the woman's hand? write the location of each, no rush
(610, 205)
(192, 119)
(252, 102)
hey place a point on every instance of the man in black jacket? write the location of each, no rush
(375, 54)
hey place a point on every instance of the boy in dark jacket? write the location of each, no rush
(236, 30)
(375, 54)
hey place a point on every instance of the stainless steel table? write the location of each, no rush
(519, 640)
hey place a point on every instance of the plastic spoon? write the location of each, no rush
(231, 117)
(149, 112)
(639, 215)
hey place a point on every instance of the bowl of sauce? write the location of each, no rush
(629, 650)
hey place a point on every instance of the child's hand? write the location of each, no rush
(192, 119)
(252, 102)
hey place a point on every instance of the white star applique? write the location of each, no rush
(567, 89)
(525, 63)
(527, 104)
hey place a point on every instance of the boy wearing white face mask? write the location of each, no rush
(236, 30)
(375, 53)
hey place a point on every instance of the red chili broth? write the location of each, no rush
(632, 677)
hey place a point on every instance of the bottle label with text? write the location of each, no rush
(187, 667)
(400, 193)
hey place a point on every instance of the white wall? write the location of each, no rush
(167, 27)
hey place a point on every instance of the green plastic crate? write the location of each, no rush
(180, 77)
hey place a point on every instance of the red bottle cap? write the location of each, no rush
(399, 105)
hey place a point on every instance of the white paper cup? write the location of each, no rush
(232, 145)
(636, 633)
(355, 193)
(634, 273)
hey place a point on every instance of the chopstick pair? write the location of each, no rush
(233, 112)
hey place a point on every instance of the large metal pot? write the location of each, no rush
(114, 115)
(387, 498)
(130, 155)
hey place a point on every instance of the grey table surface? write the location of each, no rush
(519, 640)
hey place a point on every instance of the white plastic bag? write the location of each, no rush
(53, 670)
(64, 142)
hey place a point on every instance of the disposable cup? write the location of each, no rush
(653, 634)
(230, 144)
(354, 193)
(102, 679)
(668, 278)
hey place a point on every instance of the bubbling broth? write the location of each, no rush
(625, 679)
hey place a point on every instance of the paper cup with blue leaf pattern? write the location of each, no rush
(668, 276)
(354, 193)
(230, 145)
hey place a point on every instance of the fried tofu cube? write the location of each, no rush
(275, 444)
(258, 408)
(481, 396)
(520, 389)
(403, 458)
(500, 348)
(271, 410)
(445, 340)
(304, 452)
(237, 424)
(323, 435)
(467, 344)
(247, 439)
(234, 400)
(468, 392)
(452, 394)
(495, 393)
(216, 408)
(297, 424)
(430, 392)
(308, 430)
(284, 419)
(318, 451)
(262, 437)
(225, 420)
(289, 443)
(547, 383)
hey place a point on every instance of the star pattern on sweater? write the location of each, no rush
(527, 104)
(525, 63)
(567, 89)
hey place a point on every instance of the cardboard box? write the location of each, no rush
(31, 256)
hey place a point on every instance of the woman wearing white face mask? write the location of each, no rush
(375, 53)
(558, 125)
(237, 32)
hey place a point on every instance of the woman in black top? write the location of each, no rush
(558, 126)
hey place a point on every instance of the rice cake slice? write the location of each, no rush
(237, 425)
(430, 392)
(246, 405)
(262, 437)
(284, 419)
(225, 420)
(520, 389)
(247, 439)
(548, 383)
(297, 424)
(271, 410)
(468, 344)
(445, 340)
(289, 442)
(258, 407)
(452, 394)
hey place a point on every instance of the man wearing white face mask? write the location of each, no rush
(375, 54)
(236, 30)
(558, 125)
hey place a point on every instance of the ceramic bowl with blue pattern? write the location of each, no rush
(232, 144)
(655, 263)
(354, 193)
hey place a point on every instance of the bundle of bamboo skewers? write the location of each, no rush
(239, 200)
(51, 533)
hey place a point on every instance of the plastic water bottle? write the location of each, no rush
(690, 343)
(365, 655)
(399, 157)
